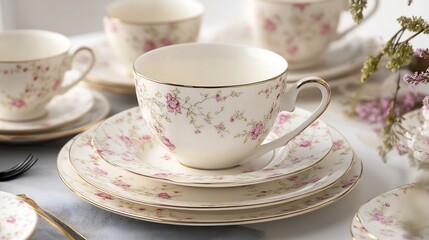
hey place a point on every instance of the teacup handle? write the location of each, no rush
(340, 35)
(289, 103)
(65, 87)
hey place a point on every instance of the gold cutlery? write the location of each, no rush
(70, 233)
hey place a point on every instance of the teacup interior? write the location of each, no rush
(210, 65)
(154, 11)
(25, 45)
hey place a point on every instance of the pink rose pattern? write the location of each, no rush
(145, 38)
(41, 83)
(321, 25)
(175, 103)
(383, 217)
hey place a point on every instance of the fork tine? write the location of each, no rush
(22, 165)
(29, 162)
(18, 165)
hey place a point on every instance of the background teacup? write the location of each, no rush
(32, 68)
(299, 30)
(134, 27)
(212, 105)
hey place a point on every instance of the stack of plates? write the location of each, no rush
(67, 114)
(120, 167)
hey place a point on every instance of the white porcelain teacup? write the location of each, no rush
(32, 68)
(299, 30)
(134, 27)
(212, 105)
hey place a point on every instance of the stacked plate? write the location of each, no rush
(67, 114)
(120, 167)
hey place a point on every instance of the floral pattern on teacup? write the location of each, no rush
(142, 157)
(17, 219)
(297, 31)
(385, 216)
(174, 102)
(158, 213)
(118, 182)
(135, 39)
(29, 81)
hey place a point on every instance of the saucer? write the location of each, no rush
(124, 141)
(108, 73)
(61, 110)
(358, 231)
(342, 57)
(110, 179)
(18, 220)
(98, 112)
(387, 215)
(203, 218)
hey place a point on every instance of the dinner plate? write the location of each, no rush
(124, 141)
(393, 214)
(203, 218)
(61, 110)
(97, 113)
(18, 220)
(139, 189)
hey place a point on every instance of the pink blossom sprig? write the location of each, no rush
(422, 53)
(426, 103)
(377, 111)
(417, 78)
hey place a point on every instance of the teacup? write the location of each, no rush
(299, 30)
(134, 27)
(32, 68)
(212, 105)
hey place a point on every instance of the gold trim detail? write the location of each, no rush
(205, 208)
(159, 220)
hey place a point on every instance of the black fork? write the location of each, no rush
(19, 169)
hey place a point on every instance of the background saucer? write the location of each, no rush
(61, 110)
(97, 113)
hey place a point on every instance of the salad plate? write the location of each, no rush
(18, 220)
(399, 214)
(135, 188)
(359, 232)
(203, 218)
(124, 141)
(61, 110)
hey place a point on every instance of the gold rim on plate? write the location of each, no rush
(260, 220)
(234, 207)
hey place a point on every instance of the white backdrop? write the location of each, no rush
(83, 16)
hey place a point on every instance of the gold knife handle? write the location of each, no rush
(41, 213)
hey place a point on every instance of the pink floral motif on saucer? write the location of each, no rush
(203, 218)
(18, 220)
(392, 215)
(61, 110)
(136, 188)
(126, 142)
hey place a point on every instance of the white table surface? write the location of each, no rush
(332, 222)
